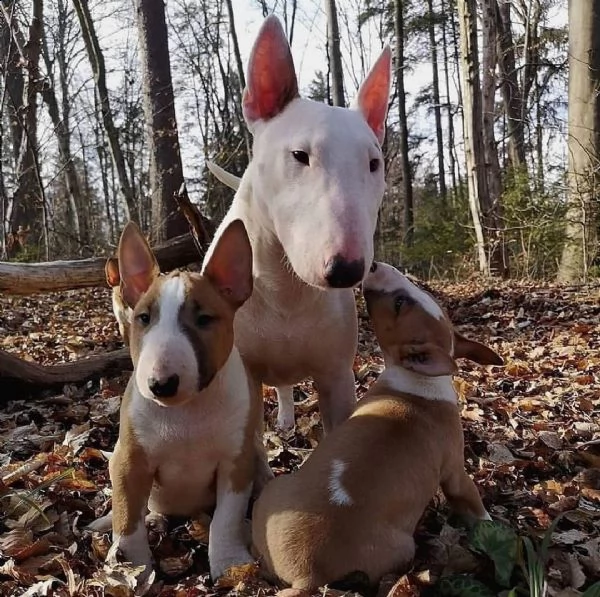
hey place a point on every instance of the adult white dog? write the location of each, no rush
(309, 199)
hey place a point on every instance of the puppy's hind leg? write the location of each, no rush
(463, 496)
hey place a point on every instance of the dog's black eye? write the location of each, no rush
(144, 318)
(399, 302)
(374, 165)
(301, 156)
(373, 267)
(203, 320)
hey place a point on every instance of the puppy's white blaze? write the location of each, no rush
(388, 279)
(339, 495)
(165, 349)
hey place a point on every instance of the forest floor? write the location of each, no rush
(532, 432)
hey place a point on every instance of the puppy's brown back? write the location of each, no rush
(356, 501)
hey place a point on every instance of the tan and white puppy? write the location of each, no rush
(190, 415)
(354, 505)
(121, 310)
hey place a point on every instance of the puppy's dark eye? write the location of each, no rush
(399, 302)
(374, 165)
(203, 320)
(301, 156)
(373, 267)
(144, 318)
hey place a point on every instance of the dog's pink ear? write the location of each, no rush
(427, 359)
(374, 94)
(111, 270)
(229, 265)
(475, 351)
(271, 82)
(137, 265)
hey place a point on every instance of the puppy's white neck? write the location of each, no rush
(424, 386)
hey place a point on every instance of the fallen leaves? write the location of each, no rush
(532, 444)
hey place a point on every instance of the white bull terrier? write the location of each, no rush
(309, 199)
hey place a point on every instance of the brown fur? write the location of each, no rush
(395, 451)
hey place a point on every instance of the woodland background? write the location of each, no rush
(491, 156)
(493, 167)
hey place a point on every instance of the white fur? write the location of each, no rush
(165, 349)
(298, 218)
(388, 279)
(186, 445)
(134, 547)
(338, 494)
(227, 544)
(424, 386)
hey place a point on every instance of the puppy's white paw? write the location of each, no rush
(133, 548)
(220, 562)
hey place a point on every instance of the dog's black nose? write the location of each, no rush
(164, 388)
(340, 273)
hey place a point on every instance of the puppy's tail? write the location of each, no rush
(228, 179)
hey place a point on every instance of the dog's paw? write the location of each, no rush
(286, 422)
(221, 563)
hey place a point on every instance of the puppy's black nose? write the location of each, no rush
(340, 273)
(164, 388)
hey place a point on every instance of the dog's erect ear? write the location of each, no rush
(475, 351)
(427, 359)
(229, 265)
(111, 270)
(137, 265)
(271, 82)
(374, 94)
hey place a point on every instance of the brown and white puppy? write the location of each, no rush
(354, 505)
(121, 310)
(189, 416)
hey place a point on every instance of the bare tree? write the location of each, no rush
(166, 170)
(335, 55)
(403, 124)
(437, 107)
(96, 59)
(583, 141)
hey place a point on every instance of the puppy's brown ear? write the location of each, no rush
(427, 358)
(229, 264)
(475, 351)
(111, 270)
(137, 265)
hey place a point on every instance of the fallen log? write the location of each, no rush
(18, 377)
(33, 278)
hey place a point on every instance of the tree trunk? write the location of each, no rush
(472, 122)
(96, 59)
(18, 376)
(166, 170)
(583, 140)
(511, 93)
(28, 198)
(31, 278)
(437, 108)
(335, 55)
(61, 124)
(240, 71)
(452, 161)
(491, 202)
(408, 227)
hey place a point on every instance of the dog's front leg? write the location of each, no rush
(228, 544)
(131, 479)
(337, 397)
